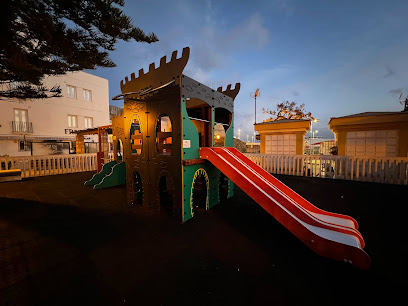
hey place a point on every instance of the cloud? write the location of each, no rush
(214, 45)
(251, 33)
(396, 91)
(286, 7)
(389, 73)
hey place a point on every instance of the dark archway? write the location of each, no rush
(200, 194)
(223, 187)
(166, 191)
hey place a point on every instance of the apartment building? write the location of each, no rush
(44, 126)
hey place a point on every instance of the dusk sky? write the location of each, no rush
(336, 57)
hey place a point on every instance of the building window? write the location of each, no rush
(87, 95)
(88, 122)
(24, 145)
(20, 115)
(20, 123)
(71, 91)
(72, 121)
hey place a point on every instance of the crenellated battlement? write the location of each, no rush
(232, 93)
(155, 77)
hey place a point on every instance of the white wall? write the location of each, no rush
(49, 117)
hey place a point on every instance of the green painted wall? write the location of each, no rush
(189, 134)
(189, 173)
(229, 135)
(207, 169)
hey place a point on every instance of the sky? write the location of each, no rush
(336, 57)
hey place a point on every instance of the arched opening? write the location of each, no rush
(200, 194)
(119, 150)
(137, 189)
(222, 122)
(223, 187)
(219, 135)
(166, 195)
(164, 134)
(136, 136)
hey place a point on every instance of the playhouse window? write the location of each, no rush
(222, 123)
(136, 137)
(164, 134)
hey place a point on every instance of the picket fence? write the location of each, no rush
(33, 166)
(393, 170)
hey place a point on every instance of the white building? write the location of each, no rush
(43, 126)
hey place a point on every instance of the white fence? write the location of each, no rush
(393, 170)
(32, 166)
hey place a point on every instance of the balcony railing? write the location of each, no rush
(22, 126)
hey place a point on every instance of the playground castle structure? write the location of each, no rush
(165, 151)
(167, 117)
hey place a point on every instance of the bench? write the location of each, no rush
(10, 175)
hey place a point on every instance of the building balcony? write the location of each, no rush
(21, 127)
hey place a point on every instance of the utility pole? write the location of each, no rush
(255, 95)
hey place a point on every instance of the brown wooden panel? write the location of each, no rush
(162, 146)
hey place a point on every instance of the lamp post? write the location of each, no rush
(255, 95)
(311, 135)
(239, 133)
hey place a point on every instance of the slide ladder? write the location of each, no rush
(329, 234)
(112, 174)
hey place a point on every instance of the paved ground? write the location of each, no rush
(65, 244)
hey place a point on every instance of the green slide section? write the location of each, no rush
(98, 177)
(115, 178)
(229, 135)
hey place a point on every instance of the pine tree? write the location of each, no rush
(51, 37)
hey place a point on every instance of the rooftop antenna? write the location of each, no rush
(255, 95)
(404, 102)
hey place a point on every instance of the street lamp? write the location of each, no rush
(239, 133)
(255, 95)
(311, 135)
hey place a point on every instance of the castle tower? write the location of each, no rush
(167, 117)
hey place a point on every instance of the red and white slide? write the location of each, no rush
(328, 234)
